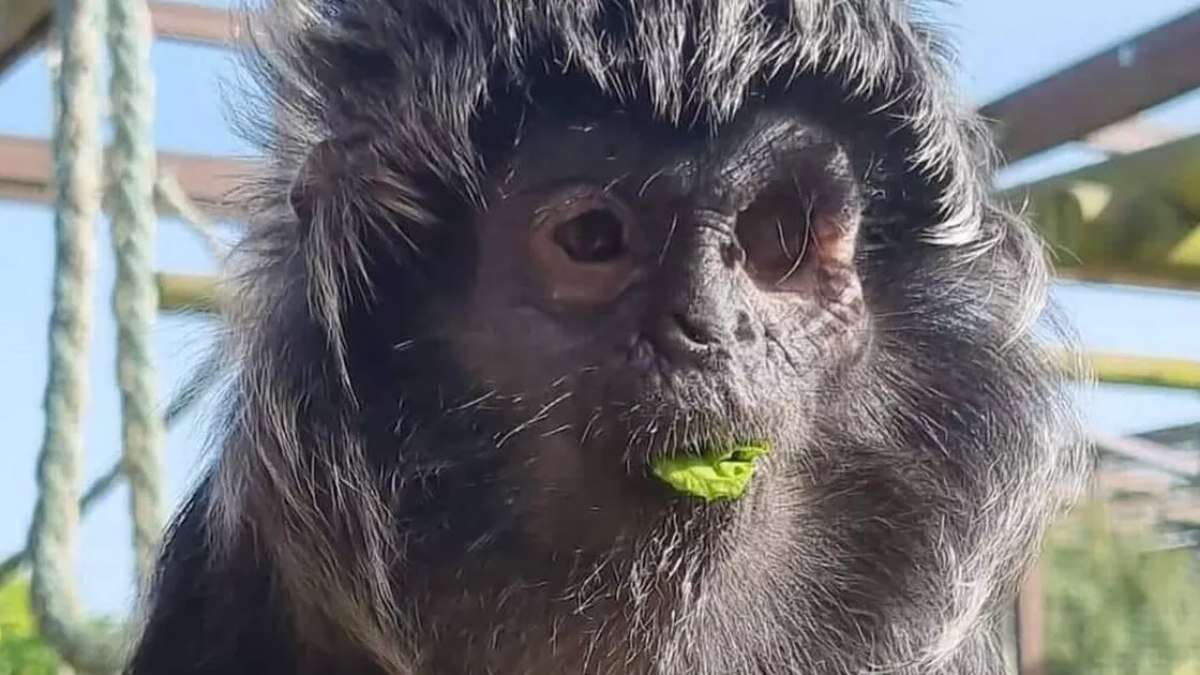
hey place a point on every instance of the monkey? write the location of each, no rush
(503, 256)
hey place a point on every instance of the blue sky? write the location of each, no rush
(1003, 44)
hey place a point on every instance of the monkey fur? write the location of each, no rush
(504, 253)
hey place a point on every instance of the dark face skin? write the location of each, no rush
(641, 292)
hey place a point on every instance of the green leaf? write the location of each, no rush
(711, 476)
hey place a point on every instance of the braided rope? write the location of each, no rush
(202, 380)
(135, 296)
(77, 156)
(76, 148)
(170, 199)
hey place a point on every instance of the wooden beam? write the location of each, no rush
(1135, 134)
(24, 23)
(26, 173)
(1176, 436)
(1146, 371)
(188, 293)
(1180, 279)
(195, 23)
(1111, 86)
(1149, 453)
(1142, 371)
(1133, 219)
(1031, 625)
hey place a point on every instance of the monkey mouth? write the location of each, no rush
(685, 414)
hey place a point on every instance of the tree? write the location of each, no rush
(21, 651)
(1114, 606)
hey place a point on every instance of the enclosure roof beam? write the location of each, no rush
(1133, 219)
(1145, 371)
(23, 23)
(1147, 452)
(26, 173)
(1104, 89)
(196, 24)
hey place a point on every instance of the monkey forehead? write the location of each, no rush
(430, 70)
(733, 160)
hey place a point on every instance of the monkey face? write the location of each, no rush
(645, 291)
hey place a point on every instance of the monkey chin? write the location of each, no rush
(590, 500)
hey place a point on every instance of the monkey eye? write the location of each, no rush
(583, 243)
(596, 236)
(776, 234)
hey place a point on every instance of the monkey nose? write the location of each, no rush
(681, 336)
(689, 329)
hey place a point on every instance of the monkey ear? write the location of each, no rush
(308, 181)
(329, 171)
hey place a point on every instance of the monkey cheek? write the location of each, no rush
(842, 297)
(640, 354)
(577, 499)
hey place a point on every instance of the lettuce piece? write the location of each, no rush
(711, 476)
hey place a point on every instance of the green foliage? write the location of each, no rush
(1114, 607)
(21, 652)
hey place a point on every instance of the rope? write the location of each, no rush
(135, 297)
(172, 199)
(76, 148)
(77, 155)
(200, 383)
